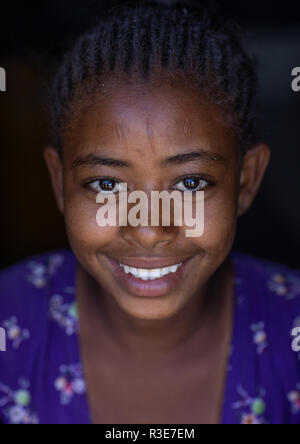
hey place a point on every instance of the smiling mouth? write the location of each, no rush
(151, 274)
(149, 277)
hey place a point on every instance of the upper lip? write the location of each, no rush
(150, 263)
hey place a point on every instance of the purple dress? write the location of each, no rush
(41, 378)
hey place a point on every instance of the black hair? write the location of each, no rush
(178, 38)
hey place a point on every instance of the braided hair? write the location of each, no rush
(135, 42)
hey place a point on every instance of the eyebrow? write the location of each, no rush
(195, 155)
(93, 159)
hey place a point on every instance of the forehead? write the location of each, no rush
(161, 113)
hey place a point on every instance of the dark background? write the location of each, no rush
(32, 38)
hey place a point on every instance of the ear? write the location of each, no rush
(55, 169)
(254, 165)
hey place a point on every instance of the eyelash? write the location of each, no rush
(210, 183)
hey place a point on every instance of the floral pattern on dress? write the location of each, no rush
(16, 404)
(64, 313)
(70, 383)
(251, 409)
(21, 403)
(260, 337)
(286, 285)
(39, 273)
(294, 399)
(240, 299)
(15, 333)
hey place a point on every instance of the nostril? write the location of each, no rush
(148, 237)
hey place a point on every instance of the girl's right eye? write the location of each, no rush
(104, 186)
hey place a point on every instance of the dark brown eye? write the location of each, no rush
(192, 184)
(104, 185)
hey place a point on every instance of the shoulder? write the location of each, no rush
(25, 286)
(278, 283)
(270, 311)
(26, 289)
(29, 323)
(271, 290)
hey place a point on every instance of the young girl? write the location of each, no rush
(173, 329)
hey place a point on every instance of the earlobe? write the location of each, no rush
(55, 168)
(254, 165)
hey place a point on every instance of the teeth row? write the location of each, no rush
(150, 275)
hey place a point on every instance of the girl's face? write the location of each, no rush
(153, 138)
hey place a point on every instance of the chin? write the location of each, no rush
(151, 309)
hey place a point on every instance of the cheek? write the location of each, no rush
(83, 230)
(220, 218)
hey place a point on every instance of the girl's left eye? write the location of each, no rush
(192, 184)
(104, 186)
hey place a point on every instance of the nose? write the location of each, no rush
(149, 237)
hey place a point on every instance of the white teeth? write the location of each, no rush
(150, 274)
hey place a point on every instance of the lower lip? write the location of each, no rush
(157, 288)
